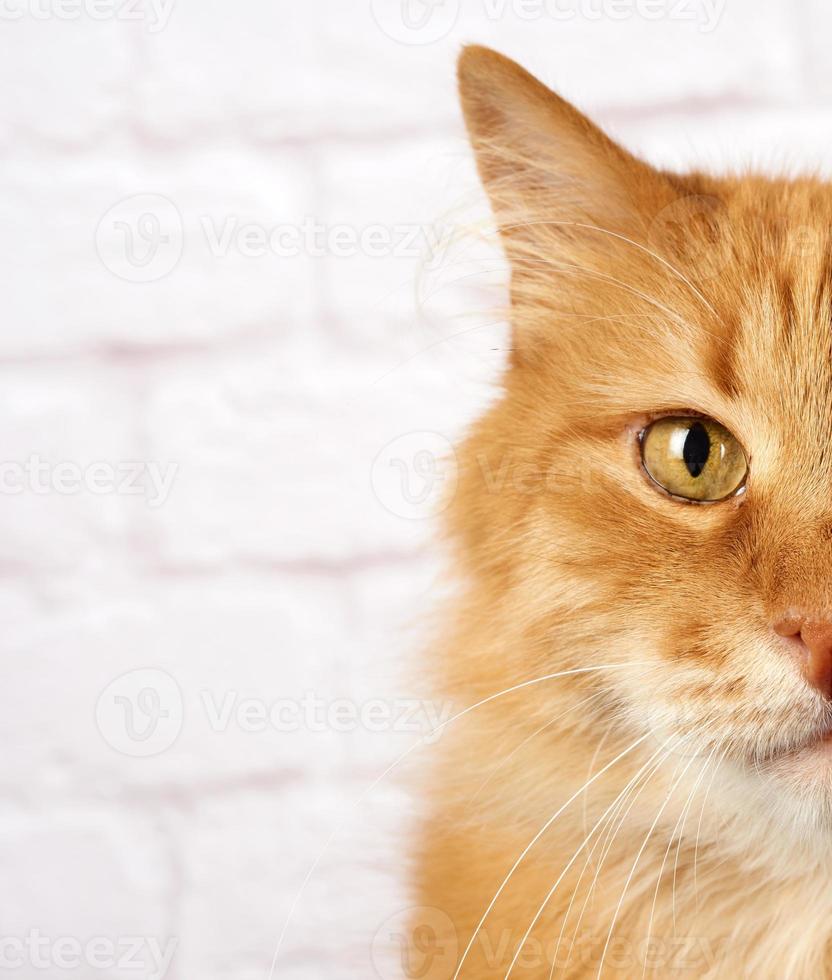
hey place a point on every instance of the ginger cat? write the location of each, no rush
(643, 541)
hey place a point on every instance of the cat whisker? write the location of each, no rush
(535, 839)
(643, 248)
(679, 843)
(660, 754)
(573, 671)
(633, 791)
(676, 828)
(560, 878)
(528, 738)
(425, 739)
(592, 761)
(635, 864)
(431, 346)
(595, 274)
(699, 824)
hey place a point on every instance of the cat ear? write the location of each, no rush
(541, 161)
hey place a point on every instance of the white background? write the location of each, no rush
(176, 331)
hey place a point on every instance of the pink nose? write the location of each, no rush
(812, 637)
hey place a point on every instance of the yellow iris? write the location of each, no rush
(694, 458)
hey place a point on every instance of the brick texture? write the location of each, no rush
(243, 325)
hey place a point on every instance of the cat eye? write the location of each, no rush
(693, 457)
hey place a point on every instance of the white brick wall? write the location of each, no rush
(271, 383)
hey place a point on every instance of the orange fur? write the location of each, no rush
(636, 293)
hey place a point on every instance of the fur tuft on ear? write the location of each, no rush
(527, 139)
(571, 205)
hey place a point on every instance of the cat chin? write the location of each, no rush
(805, 770)
(794, 793)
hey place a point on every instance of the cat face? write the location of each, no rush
(670, 396)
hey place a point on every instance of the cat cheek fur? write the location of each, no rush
(637, 293)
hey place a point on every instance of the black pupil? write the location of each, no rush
(697, 448)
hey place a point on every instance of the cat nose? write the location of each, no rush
(812, 636)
